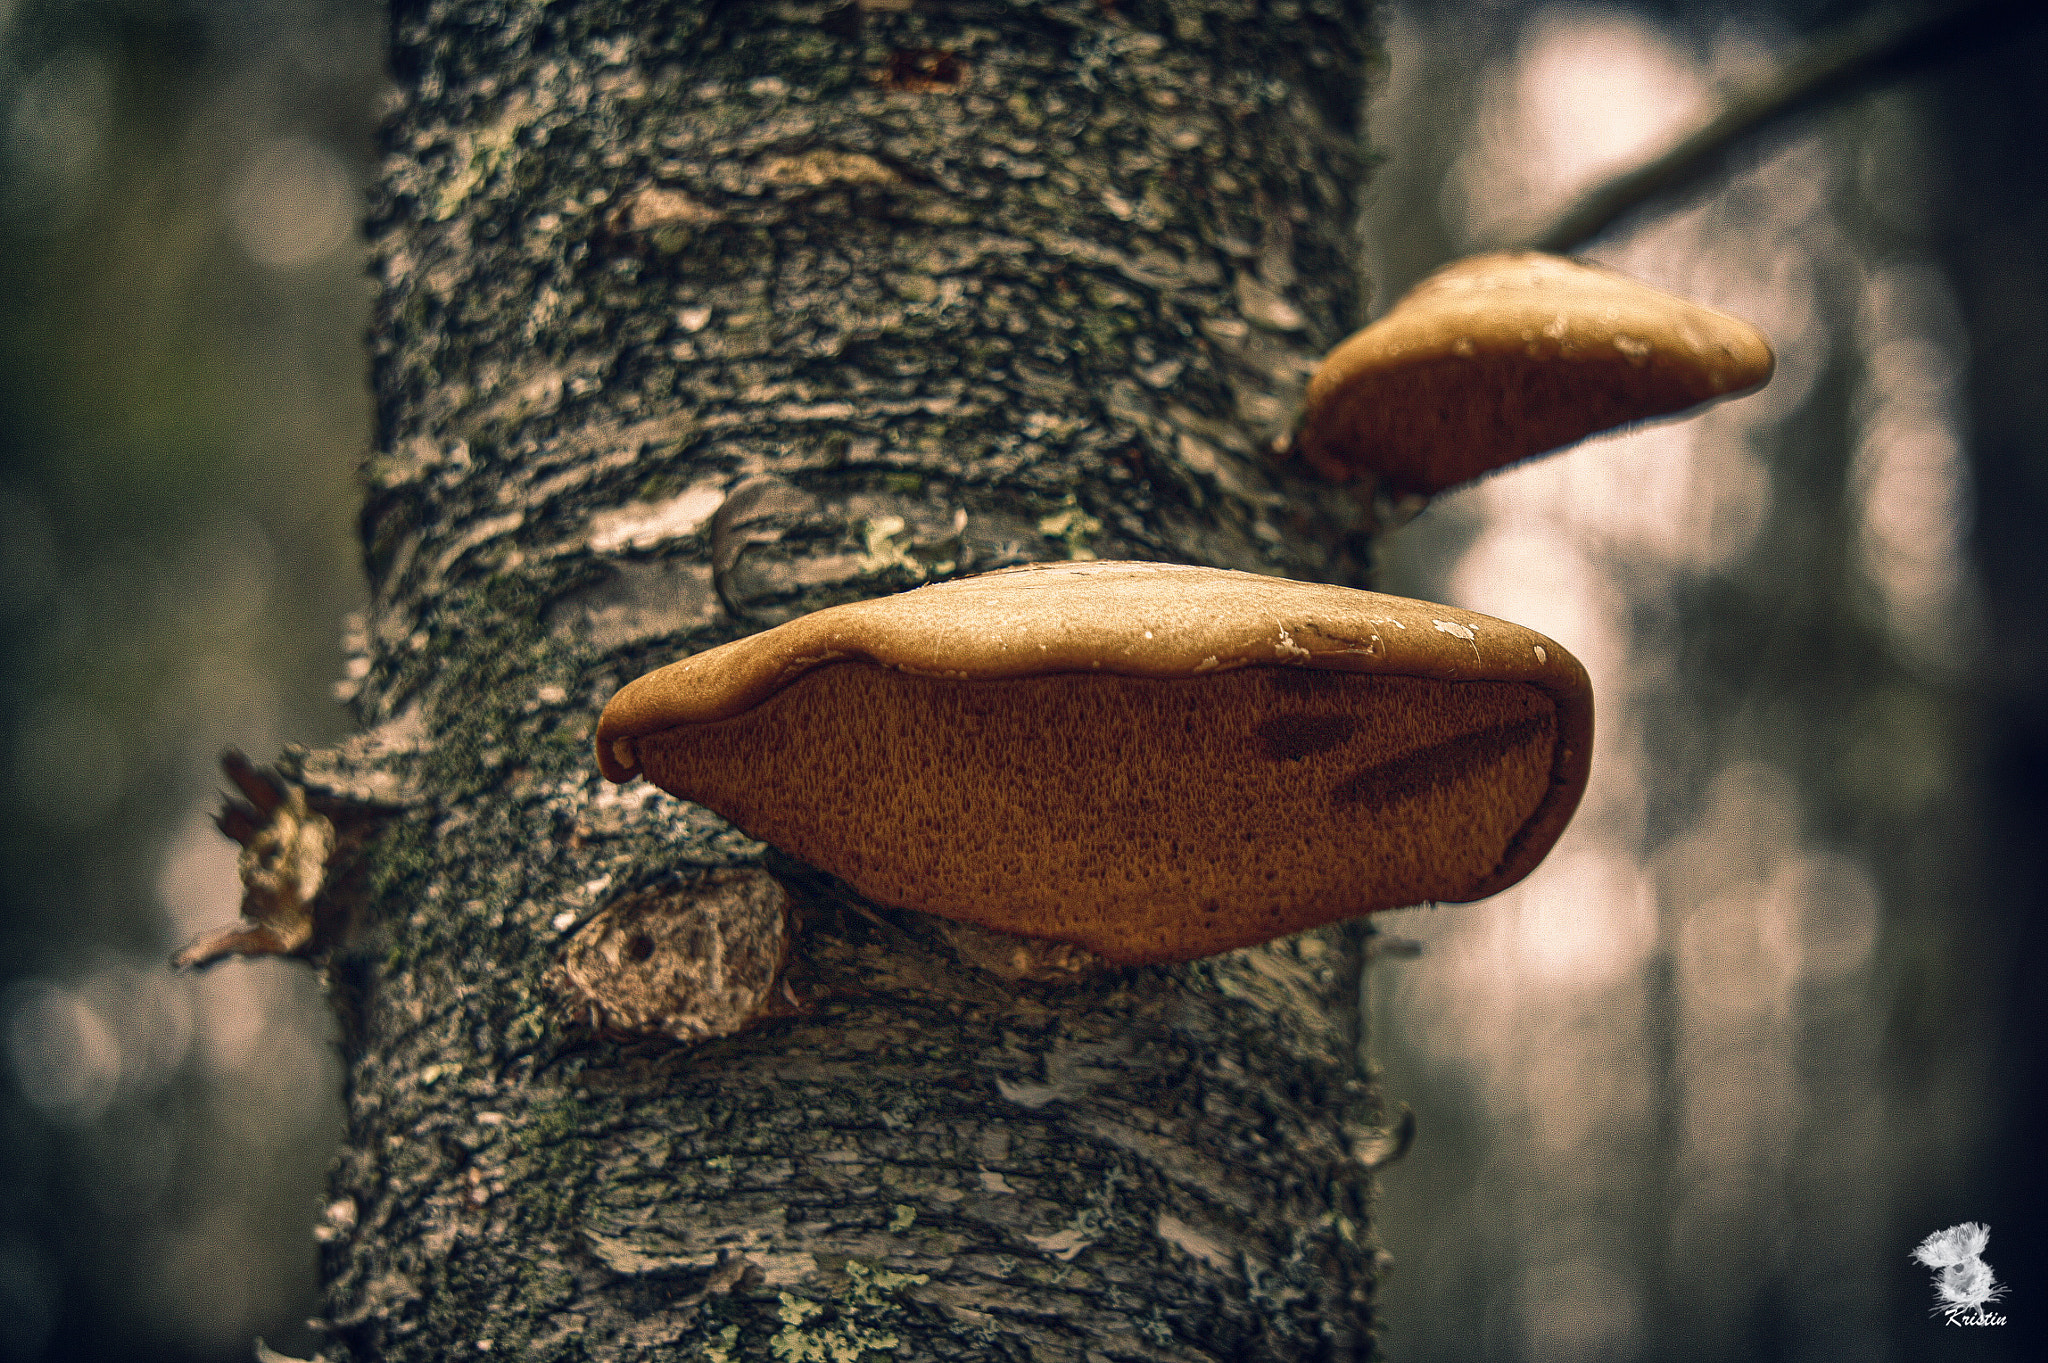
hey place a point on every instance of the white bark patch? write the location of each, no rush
(1193, 1243)
(645, 525)
(1063, 1245)
(473, 536)
(1070, 1071)
(621, 1256)
(823, 169)
(1029, 1095)
(784, 1270)
(1264, 307)
(656, 207)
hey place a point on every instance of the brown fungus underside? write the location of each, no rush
(1499, 358)
(1151, 761)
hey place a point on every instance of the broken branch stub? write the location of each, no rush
(300, 864)
(699, 959)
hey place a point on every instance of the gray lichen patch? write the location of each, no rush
(700, 960)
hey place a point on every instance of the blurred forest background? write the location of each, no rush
(1695, 1090)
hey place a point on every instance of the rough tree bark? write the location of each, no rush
(695, 316)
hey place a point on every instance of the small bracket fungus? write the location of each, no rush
(1152, 761)
(1499, 358)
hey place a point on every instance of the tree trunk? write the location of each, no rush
(698, 316)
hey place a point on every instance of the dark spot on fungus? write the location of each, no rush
(640, 948)
(1289, 738)
(1440, 765)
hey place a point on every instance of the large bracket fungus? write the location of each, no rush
(1153, 761)
(1500, 358)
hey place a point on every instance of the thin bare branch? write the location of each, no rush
(1877, 48)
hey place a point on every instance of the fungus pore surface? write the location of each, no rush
(1150, 761)
(1146, 820)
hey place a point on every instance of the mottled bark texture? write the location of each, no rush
(696, 316)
